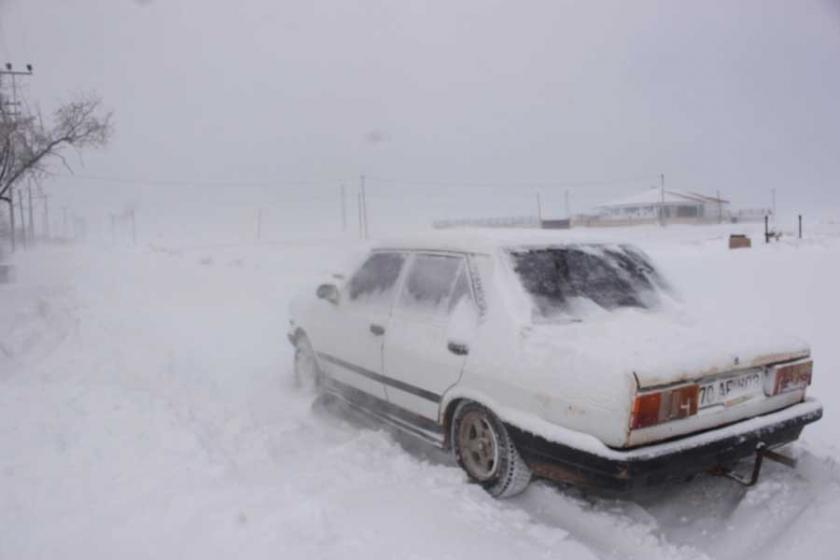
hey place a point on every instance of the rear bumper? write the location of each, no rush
(625, 470)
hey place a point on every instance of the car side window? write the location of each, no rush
(376, 279)
(461, 291)
(430, 282)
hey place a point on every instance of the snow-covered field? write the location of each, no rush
(147, 411)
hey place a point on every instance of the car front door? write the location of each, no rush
(421, 361)
(351, 353)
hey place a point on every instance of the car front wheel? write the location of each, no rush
(308, 375)
(484, 449)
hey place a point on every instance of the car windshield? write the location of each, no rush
(564, 282)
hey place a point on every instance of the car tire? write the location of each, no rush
(307, 373)
(483, 448)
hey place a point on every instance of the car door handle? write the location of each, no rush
(378, 330)
(458, 349)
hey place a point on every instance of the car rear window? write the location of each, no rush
(563, 281)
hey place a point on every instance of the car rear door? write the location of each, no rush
(351, 350)
(420, 360)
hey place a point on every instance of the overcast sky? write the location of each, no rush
(739, 97)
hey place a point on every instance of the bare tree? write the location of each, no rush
(27, 148)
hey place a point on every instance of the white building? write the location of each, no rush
(655, 205)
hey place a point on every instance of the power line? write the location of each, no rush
(515, 183)
(196, 183)
(381, 180)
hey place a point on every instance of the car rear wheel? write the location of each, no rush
(308, 375)
(484, 449)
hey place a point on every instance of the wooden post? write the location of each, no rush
(46, 217)
(343, 209)
(359, 203)
(22, 221)
(31, 216)
(800, 226)
(11, 202)
(364, 209)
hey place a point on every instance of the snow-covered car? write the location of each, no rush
(529, 355)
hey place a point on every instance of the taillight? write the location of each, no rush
(664, 406)
(792, 377)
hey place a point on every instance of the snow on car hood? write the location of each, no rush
(658, 347)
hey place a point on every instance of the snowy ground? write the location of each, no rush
(147, 411)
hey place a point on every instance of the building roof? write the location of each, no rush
(654, 197)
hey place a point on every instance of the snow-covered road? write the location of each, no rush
(147, 411)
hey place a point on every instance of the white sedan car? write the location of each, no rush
(529, 355)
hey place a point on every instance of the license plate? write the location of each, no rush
(731, 390)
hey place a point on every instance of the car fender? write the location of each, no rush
(520, 419)
(527, 404)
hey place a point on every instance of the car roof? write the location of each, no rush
(485, 240)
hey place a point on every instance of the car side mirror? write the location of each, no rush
(328, 292)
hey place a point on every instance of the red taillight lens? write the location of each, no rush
(664, 406)
(646, 410)
(792, 377)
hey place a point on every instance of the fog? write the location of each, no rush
(148, 407)
(456, 109)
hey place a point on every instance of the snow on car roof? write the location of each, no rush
(488, 240)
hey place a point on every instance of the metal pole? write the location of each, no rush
(800, 226)
(359, 205)
(343, 208)
(364, 210)
(662, 199)
(766, 229)
(12, 217)
(46, 217)
(133, 227)
(22, 221)
(31, 216)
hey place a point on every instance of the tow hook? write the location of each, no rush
(761, 452)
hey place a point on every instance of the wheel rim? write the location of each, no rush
(478, 445)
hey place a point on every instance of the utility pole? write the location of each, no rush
(14, 104)
(662, 199)
(22, 221)
(31, 215)
(11, 201)
(359, 204)
(343, 208)
(364, 210)
(46, 218)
